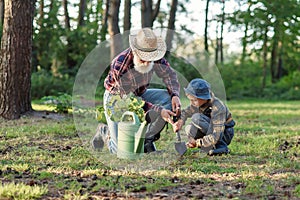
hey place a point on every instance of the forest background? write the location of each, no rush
(59, 34)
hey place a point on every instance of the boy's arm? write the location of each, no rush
(215, 130)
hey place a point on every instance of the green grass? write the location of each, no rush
(22, 191)
(42, 157)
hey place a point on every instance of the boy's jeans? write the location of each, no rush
(203, 122)
(155, 96)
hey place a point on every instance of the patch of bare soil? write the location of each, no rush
(196, 189)
(46, 115)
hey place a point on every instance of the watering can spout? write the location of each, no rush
(140, 139)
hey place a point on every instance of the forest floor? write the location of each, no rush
(45, 155)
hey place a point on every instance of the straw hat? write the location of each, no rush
(147, 45)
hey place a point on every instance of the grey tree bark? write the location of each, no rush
(113, 28)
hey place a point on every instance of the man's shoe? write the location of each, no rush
(100, 137)
(149, 147)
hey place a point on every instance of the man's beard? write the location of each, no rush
(142, 67)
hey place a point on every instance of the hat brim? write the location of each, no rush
(149, 56)
(203, 96)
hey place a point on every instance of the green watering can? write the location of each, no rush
(131, 136)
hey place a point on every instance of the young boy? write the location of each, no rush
(211, 126)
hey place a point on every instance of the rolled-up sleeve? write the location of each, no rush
(216, 127)
(168, 76)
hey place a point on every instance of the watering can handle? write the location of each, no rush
(134, 117)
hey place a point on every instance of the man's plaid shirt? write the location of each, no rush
(123, 78)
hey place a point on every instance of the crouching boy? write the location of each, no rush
(211, 126)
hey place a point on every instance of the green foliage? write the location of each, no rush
(121, 105)
(62, 103)
(60, 49)
(183, 67)
(242, 81)
(286, 88)
(100, 115)
(45, 84)
(245, 81)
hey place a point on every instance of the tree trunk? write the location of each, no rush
(274, 55)
(15, 60)
(1, 12)
(127, 15)
(171, 25)
(244, 39)
(146, 13)
(41, 12)
(217, 46)
(66, 14)
(1, 17)
(105, 14)
(221, 34)
(206, 27)
(69, 60)
(280, 62)
(149, 14)
(265, 54)
(82, 8)
(127, 22)
(156, 11)
(113, 28)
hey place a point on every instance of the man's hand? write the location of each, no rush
(167, 115)
(176, 105)
(177, 125)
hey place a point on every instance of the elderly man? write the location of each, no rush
(131, 72)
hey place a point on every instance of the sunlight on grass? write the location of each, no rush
(264, 158)
(22, 191)
(42, 107)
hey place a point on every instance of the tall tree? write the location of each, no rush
(126, 21)
(104, 22)
(171, 24)
(206, 26)
(1, 12)
(113, 28)
(1, 15)
(148, 13)
(127, 15)
(222, 31)
(66, 14)
(15, 60)
(82, 8)
(265, 59)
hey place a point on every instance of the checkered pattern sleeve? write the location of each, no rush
(168, 75)
(216, 127)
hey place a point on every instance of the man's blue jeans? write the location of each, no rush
(155, 96)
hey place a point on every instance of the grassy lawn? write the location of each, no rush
(43, 157)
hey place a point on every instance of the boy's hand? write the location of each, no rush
(177, 125)
(192, 143)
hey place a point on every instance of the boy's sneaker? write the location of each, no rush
(219, 151)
